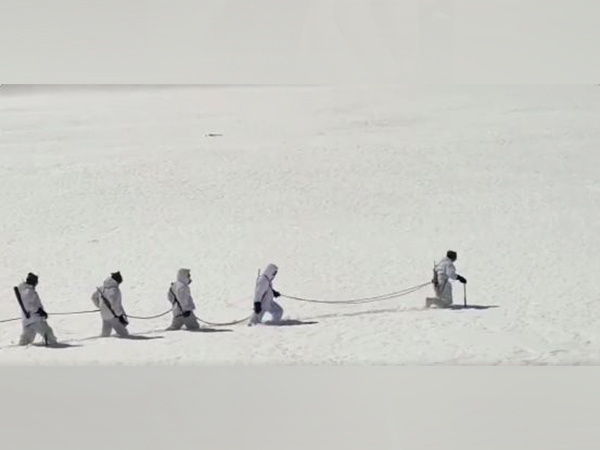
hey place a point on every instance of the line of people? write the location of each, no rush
(108, 299)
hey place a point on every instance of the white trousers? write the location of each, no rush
(443, 295)
(113, 324)
(273, 308)
(191, 323)
(42, 328)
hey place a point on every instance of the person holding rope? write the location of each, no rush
(34, 315)
(180, 297)
(443, 273)
(108, 300)
(264, 295)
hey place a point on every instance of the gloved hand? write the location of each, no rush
(123, 321)
(42, 313)
(275, 293)
(257, 307)
(187, 314)
(462, 279)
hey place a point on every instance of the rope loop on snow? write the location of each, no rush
(149, 317)
(224, 324)
(361, 301)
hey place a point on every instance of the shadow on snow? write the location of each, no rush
(289, 323)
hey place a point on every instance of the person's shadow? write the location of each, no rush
(462, 307)
(57, 345)
(138, 337)
(289, 323)
(402, 311)
(210, 330)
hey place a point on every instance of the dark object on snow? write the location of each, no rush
(462, 307)
(452, 255)
(213, 135)
(290, 323)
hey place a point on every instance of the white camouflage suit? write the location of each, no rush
(180, 297)
(34, 324)
(263, 294)
(445, 271)
(112, 294)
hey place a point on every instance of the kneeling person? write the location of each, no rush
(264, 296)
(444, 273)
(34, 315)
(180, 297)
(108, 300)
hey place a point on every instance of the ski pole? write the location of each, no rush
(465, 294)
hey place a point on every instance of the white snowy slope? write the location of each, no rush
(353, 192)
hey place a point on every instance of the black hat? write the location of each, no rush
(452, 255)
(117, 277)
(32, 279)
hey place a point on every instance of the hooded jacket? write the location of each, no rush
(112, 293)
(264, 288)
(445, 270)
(181, 289)
(31, 303)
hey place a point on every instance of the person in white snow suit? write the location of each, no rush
(108, 300)
(34, 315)
(443, 274)
(264, 295)
(180, 297)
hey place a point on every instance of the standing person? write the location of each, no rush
(443, 273)
(108, 299)
(34, 315)
(264, 295)
(180, 297)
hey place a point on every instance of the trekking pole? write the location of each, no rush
(465, 294)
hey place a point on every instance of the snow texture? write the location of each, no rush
(352, 192)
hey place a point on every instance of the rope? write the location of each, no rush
(74, 313)
(356, 301)
(214, 324)
(149, 317)
(10, 320)
(361, 301)
(225, 324)
(70, 313)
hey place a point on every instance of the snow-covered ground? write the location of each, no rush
(352, 191)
